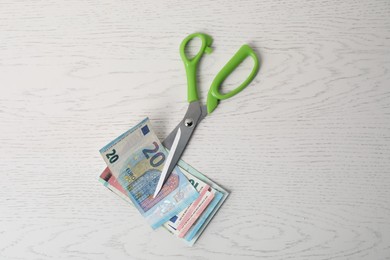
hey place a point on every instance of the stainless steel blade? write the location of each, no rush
(165, 169)
(168, 141)
(194, 114)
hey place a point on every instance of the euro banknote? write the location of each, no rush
(220, 196)
(198, 180)
(136, 159)
(173, 224)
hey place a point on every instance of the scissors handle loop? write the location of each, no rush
(214, 94)
(191, 64)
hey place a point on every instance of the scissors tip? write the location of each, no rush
(156, 192)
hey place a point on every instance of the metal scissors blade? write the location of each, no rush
(178, 139)
(167, 163)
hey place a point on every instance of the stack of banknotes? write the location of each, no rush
(186, 203)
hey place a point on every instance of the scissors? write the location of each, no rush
(178, 139)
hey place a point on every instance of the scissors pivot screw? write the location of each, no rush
(188, 122)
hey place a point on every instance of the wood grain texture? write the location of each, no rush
(304, 150)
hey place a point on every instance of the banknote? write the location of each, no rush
(219, 198)
(136, 159)
(196, 230)
(198, 180)
(175, 221)
(195, 210)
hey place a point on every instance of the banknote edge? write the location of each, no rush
(202, 220)
(122, 136)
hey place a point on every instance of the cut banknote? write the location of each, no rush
(136, 159)
(174, 222)
(199, 181)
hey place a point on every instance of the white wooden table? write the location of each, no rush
(304, 150)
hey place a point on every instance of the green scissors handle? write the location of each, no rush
(192, 63)
(214, 94)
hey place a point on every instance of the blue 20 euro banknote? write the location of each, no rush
(136, 159)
